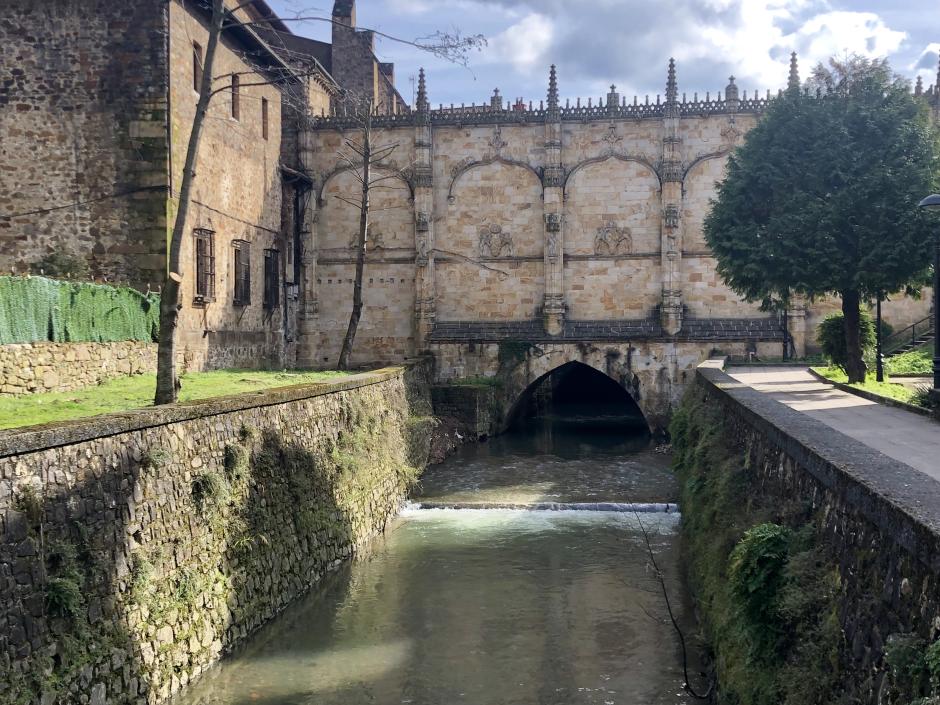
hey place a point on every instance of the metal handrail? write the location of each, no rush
(910, 334)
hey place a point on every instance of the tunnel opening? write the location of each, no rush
(577, 401)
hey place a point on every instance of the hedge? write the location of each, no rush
(34, 309)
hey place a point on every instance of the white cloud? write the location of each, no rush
(523, 44)
(761, 47)
(926, 64)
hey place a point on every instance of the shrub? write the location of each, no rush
(756, 574)
(209, 490)
(831, 336)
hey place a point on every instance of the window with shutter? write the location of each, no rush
(272, 279)
(205, 265)
(242, 271)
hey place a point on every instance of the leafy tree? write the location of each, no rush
(822, 197)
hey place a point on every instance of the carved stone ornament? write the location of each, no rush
(612, 139)
(422, 177)
(553, 222)
(494, 242)
(612, 240)
(422, 249)
(730, 132)
(672, 171)
(553, 176)
(671, 216)
(551, 246)
(496, 141)
(459, 166)
(422, 222)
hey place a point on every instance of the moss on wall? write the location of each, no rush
(766, 586)
(797, 602)
(138, 558)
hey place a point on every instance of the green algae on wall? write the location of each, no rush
(138, 558)
(814, 575)
(765, 586)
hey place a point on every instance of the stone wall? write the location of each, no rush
(59, 367)
(138, 548)
(83, 119)
(874, 522)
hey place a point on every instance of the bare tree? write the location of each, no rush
(450, 46)
(364, 160)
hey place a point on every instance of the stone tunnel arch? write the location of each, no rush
(566, 377)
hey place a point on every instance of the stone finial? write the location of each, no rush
(936, 86)
(731, 91)
(421, 102)
(672, 90)
(552, 89)
(793, 82)
(919, 87)
(496, 100)
(613, 99)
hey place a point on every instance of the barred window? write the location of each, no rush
(205, 264)
(272, 279)
(197, 67)
(242, 270)
(236, 82)
(264, 118)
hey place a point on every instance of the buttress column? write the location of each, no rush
(553, 305)
(424, 219)
(307, 314)
(671, 239)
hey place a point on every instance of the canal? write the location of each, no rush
(475, 597)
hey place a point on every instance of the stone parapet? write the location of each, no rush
(29, 368)
(879, 518)
(137, 548)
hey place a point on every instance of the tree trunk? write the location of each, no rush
(170, 301)
(356, 313)
(855, 364)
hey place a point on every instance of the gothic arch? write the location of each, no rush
(621, 157)
(343, 169)
(720, 154)
(463, 170)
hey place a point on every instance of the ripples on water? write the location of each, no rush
(490, 607)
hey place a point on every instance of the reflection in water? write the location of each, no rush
(493, 607)
(480, 607)
(556, 458)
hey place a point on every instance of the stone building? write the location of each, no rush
(571, 230)
(96, 103)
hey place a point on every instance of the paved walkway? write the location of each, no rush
(899, 434)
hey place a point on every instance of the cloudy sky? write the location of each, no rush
(628, 42)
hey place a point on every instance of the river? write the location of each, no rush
(490, 606)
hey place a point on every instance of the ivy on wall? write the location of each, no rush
(35, 309)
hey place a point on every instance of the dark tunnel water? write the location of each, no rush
(495, 606)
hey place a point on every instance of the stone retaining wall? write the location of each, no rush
(137, 548)
(60, 367)
(879, 518)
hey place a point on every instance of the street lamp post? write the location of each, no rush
(932, 203)
(879, 352)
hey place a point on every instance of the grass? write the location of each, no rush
(887, 389)
(918, 360)
(126, 393)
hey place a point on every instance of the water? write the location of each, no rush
(491, 606)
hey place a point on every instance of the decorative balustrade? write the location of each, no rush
(731, 101)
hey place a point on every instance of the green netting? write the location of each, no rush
(36, 308)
